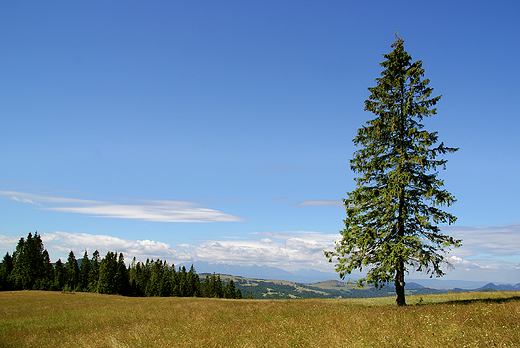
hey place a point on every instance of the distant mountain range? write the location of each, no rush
(281, 289)
(311, 277)
(500, 287)
(307, 276)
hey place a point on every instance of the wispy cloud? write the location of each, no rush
(494, 241)
(319, 203)
(145, 210)
(24, 200)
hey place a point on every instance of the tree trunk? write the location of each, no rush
(399, 285)
(401, 167)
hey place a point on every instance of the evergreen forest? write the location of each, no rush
(30, 268)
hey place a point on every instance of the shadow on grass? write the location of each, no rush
(476, 300)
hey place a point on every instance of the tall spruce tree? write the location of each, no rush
(28, 263)
(72, 272)
(6, 267)
(48, 269)
(123, 284)
(84, 272)
(193, 283)
(108, 282)
(59, 275)
(93, 275)
(393, 214)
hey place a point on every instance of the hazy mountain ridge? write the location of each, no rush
(281, 289)
(272, 282)
(306, 276)
(500, 287)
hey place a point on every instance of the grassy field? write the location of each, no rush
(54, 319)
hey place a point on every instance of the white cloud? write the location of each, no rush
(455, 260)
(286, 250)
(480, 258)
(319, 203)
(145, 210)
(61, 243)
(494, 241)
(8, 243)
(23, 200)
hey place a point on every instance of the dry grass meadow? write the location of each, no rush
(54, 319)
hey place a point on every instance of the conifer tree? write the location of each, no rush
(238, 294)
(6, 267)
(107, 282)
(393, 214)
(84, 272)
(230, 290)
(182, 278)
(206, 290)
(133, 277)
(193, 283)
(72, 272)
(28, 263)
(15, 277)
(48, 269)
(213, 286)
(93, 276)
(123, 284)
(167, 281)
(59, 275)
(219, 288)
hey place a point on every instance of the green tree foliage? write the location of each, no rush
(18, 264)
(30, 268)
(123, 283)
(93, 275)
(212, 286)
(47, 280)
(71, 273)
(393, 214)
(107, 282)
(193, 282)
(84, 272)
(59, 276)
(230, 291)
(138, 273)
(181, 282)
(6, 267)
(157, 285)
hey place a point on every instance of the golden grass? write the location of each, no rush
(53, 319)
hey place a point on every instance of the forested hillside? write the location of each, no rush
(30, 268)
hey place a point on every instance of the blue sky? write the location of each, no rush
(221, 131)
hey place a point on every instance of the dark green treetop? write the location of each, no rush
(393, 213)
(84, 272)
(59, 275)
(72, 272)
(107, 282)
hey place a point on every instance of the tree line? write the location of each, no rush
(30, 268)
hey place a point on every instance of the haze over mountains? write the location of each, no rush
(311, 276)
